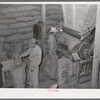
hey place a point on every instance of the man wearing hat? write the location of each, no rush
(35, 54)
(52, 52)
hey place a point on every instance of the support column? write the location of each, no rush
(44, 27)
(64, 14)
(96, 58)
(74, 15)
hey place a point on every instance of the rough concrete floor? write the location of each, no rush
(46, 82)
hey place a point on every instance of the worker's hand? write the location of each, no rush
(20, 56)
(32, 69)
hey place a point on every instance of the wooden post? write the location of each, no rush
(64, 14)
(74, 15)
(44, 27)
(96, 58)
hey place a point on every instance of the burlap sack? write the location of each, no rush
(28, 35)
(2, 40)
(52, 7)
(51, 22)
(1, 46)
(31, 13)
(54, 16)
(65, 70)
(14, 37)
(18, 45)
(50, 12)
(18, 75)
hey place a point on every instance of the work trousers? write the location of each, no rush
(33, 77)
(53, 65)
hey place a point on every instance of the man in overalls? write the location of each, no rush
(52, 53)
(35, 55)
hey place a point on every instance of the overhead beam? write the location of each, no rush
(96, 58)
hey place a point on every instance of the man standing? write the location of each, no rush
(52, 53)
(35, 55)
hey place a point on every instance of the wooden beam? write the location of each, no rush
(44, 27)
(96, 58)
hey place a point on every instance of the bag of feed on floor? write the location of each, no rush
(64, 70)
(18, 73)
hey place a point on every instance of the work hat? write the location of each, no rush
(33, 40)
(53, 29)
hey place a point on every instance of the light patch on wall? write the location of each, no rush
(69, 15)
(75, 15)
(80, 15)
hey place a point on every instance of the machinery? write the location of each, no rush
(81, 52)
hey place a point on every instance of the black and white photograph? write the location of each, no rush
(50, 46)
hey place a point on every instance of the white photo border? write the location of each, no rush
(6, 93)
